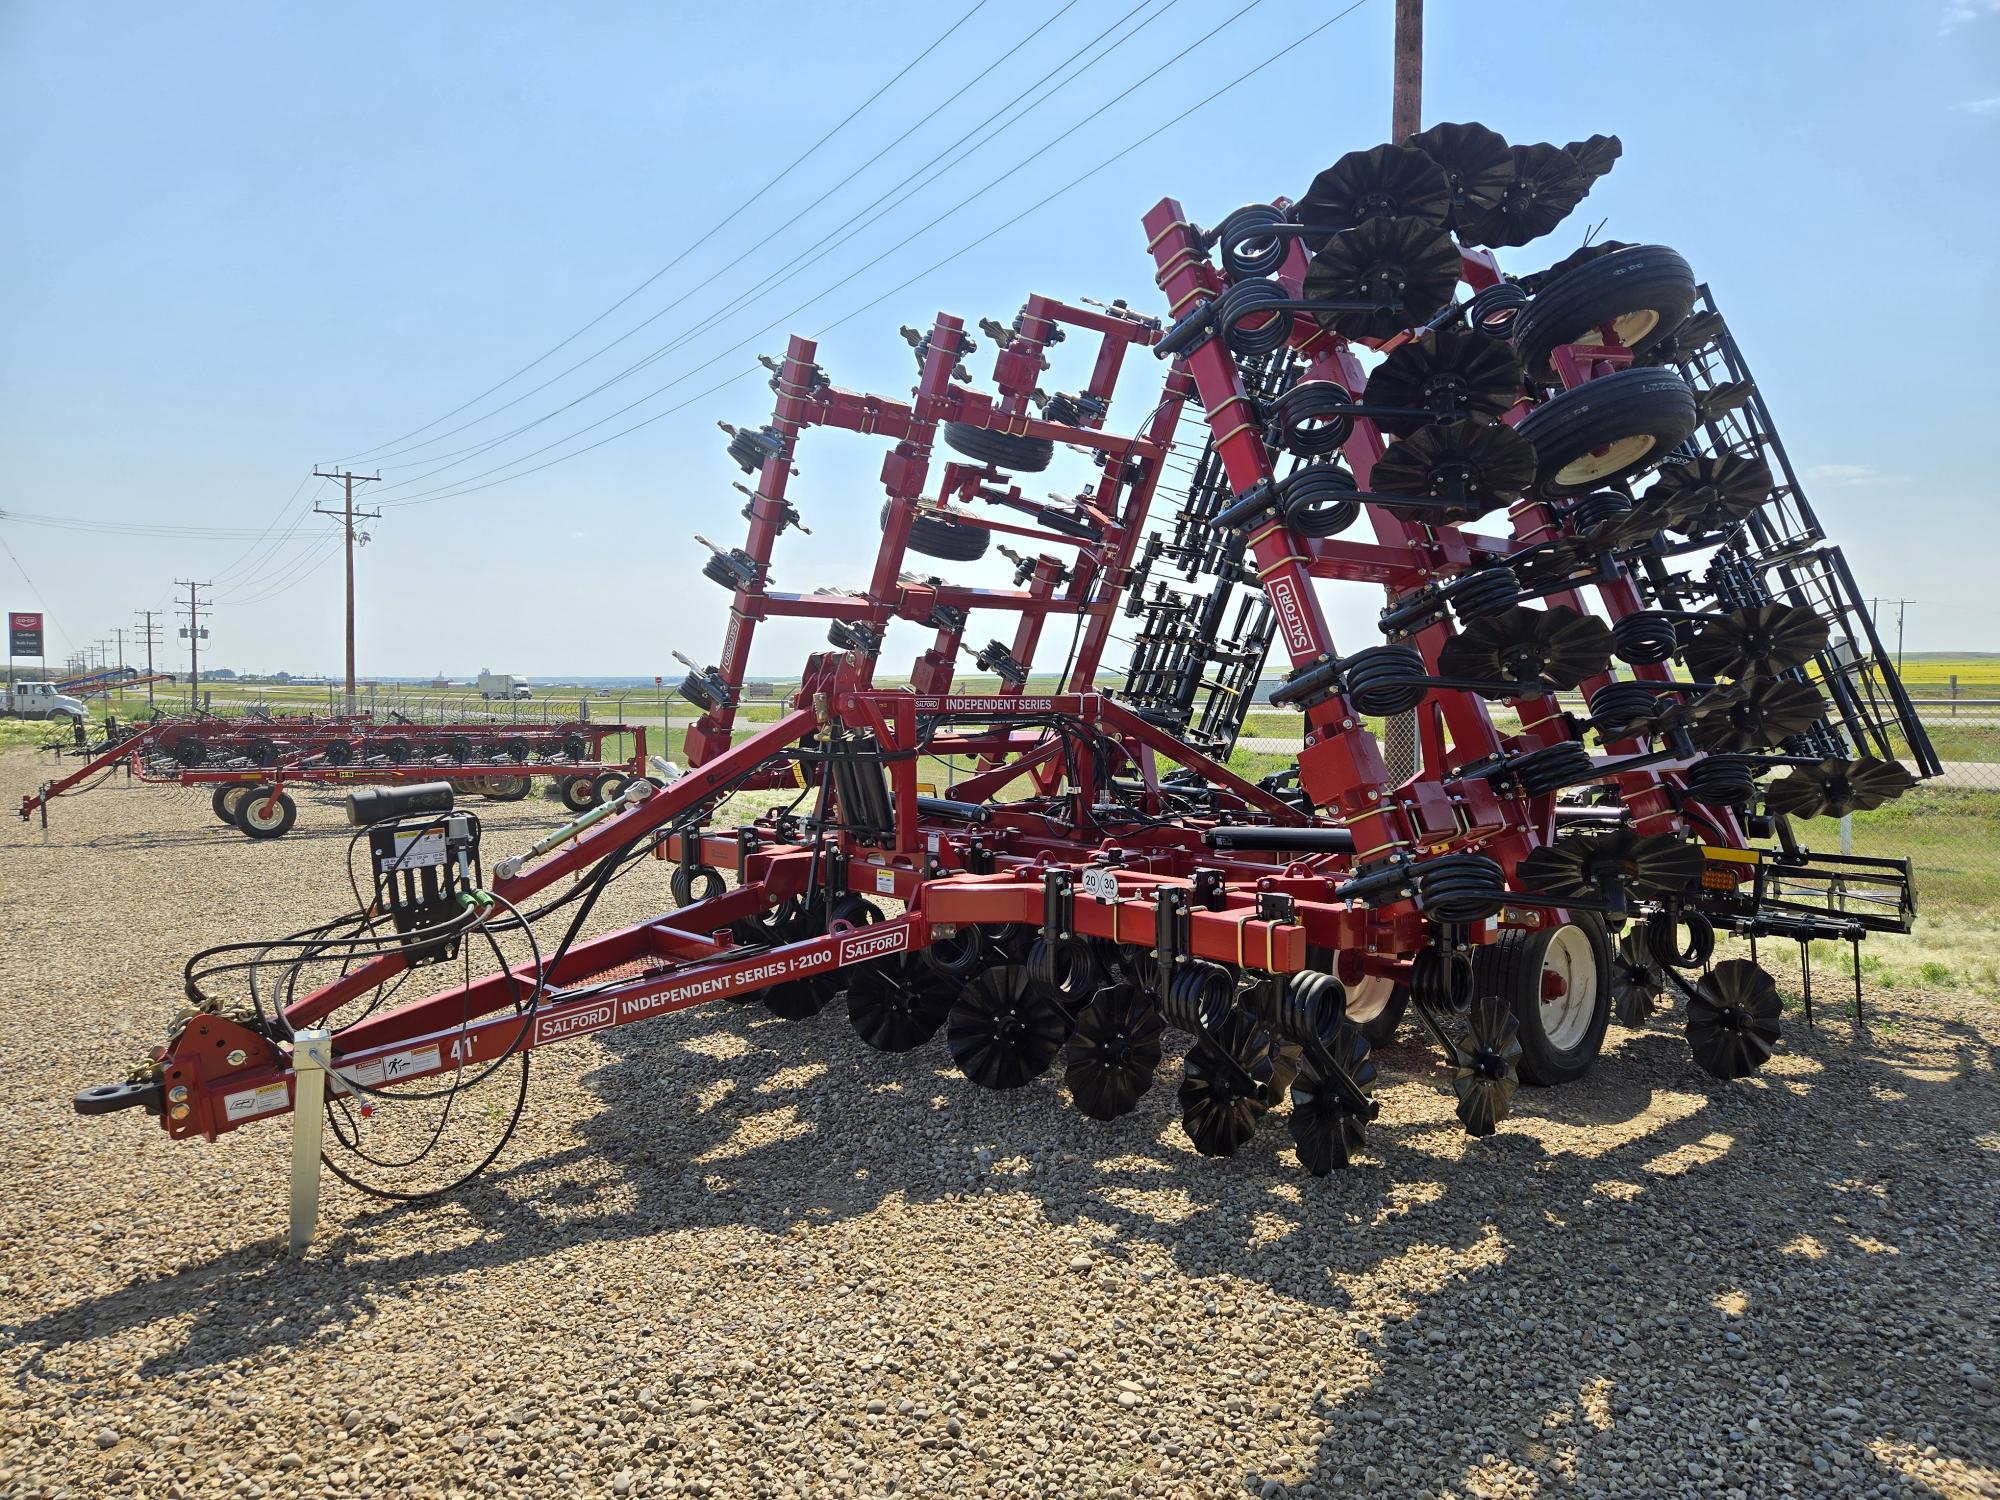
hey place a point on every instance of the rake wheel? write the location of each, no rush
(1759, 641)
(1732, 1021)
(1477, 166)
(1545, 186)
(1408, 268)
(1383, 182)
(1468, 467)
(1486, 1066)
(1768, 712)
(1607, 428)
(1113, 1052)
(1219, 1108)
(1326, 1129)
(1835, 788)
(1637, 979)
(1003, 1031)
(1557, 647)
(1447, 373)
(896, 1006)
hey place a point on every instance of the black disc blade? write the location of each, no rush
(1758, 641)
(1595, 156)
(1383, 182)
(1732, 1023)
(1326, 1128)
(1113, 1052)
(1572, 645)
(1662, 863)
(1225, 1086)
(1448, 374)
(1003, 1031)
(1477, 165)
(1798, 794)
(800, 998)
(1407, 268)
(1467, 467)
(1636, 979)
(1486, 1067)
(1710, 491)
(1546, 185)
(1769, 712)
(897, 1006)
(1835, 788)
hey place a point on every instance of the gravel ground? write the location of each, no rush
(730, 1255)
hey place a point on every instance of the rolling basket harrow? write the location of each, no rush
(1567, 493)
(245, 763)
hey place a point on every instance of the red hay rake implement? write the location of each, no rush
(1565, 489)
(246, 763)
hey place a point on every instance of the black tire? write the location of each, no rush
(1003, 450)
(339, 753)
(1608, 428)
(609, 784)
(1561, 1034)
(219, 801)
(506, 788)
(1647, 290)
(578, 793)
(947, 540)
(257, 823)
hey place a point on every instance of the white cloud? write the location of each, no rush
(1984, 106)
(1959, 13)
(577, 536)
(1844, 474)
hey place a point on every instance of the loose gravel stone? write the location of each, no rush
(732, 1255)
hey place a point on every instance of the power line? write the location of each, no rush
(314, 556)
(700, 240)
(801, 259)
(46, 611)
(774, 236)
(131, 528)
(465, 487)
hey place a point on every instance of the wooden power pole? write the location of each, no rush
(1406, 110)
(150, 631)
(347, 515)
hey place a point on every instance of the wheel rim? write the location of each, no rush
(1569, 987)
(1614, 458)
(1368, 998)
(1627, 328)
(263, 812)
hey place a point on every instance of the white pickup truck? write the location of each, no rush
(40, 700)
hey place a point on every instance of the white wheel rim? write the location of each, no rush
(1614, 458)
(1570, 959)
(1627, 328)
(1368, 998)
(264, 814)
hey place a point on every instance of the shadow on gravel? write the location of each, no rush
(1607, 1226)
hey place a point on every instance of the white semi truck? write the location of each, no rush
(493, 685)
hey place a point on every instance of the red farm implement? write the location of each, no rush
(246, 764)
(1631, 665)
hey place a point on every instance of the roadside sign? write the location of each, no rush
(24, 634)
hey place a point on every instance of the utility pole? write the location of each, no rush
(151, 630)
(1875, 609)
(1406, 107)
(194, 631)
(346, 515)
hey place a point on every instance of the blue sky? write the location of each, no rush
(245, 239)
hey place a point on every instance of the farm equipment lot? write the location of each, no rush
(733, 1255)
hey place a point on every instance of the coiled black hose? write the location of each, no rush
(1663, 938)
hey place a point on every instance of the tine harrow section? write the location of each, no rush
(1632, 664)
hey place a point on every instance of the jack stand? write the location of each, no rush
(311, 1057)
(1857, 981)
(1805, 970)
